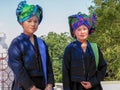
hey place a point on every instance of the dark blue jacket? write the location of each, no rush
(22, 61)
(79, 66)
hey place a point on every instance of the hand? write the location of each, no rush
(86, 85)
(48, 87)
(34, 88)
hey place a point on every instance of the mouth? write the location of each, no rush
(82, 35)
(32, 28)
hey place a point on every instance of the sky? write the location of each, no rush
(55, 16)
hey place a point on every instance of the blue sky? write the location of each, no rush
(55, 16)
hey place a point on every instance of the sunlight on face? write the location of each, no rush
(81, 33)
(30, 25)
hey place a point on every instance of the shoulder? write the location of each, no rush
(95, 46)
(15, 44)
(69, 46)
(42, 43)
(41, 40)
(16, 40)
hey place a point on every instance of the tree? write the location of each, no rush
(107, 34)
(56, 44)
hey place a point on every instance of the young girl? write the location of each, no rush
(28, 54)
(79, 66)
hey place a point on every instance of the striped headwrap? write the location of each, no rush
(25, 12)
(82, 19)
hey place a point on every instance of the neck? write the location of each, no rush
(83, 41)
(32, 39)
(84, 45)
(29, 34)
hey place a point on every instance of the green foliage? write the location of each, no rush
(107, 34)
(56, 44)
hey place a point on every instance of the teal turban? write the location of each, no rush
(25, 12)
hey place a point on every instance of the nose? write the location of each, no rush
(32, 23)
(82, 31)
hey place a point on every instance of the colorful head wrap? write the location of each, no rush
(82, 19)
(25, 12)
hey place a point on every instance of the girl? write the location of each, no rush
(28, 54)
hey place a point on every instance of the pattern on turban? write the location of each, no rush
(82, 19)
(25, 12)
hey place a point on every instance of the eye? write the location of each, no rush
(28, 20)
(78, 29)
(36, 21)
(84, 28)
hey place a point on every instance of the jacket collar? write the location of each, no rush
(26, 36)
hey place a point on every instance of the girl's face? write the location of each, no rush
(81, 33)
(30, 25)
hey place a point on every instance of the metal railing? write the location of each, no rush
(6, 75)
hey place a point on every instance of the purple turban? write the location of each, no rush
(82, 19)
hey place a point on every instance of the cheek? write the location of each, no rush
(36, 26)
(87, 33)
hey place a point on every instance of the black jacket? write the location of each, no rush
(23, 62)
(79, 66)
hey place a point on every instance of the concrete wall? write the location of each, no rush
(107, 85)
(110, 85)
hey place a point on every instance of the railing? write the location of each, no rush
(6, 76)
